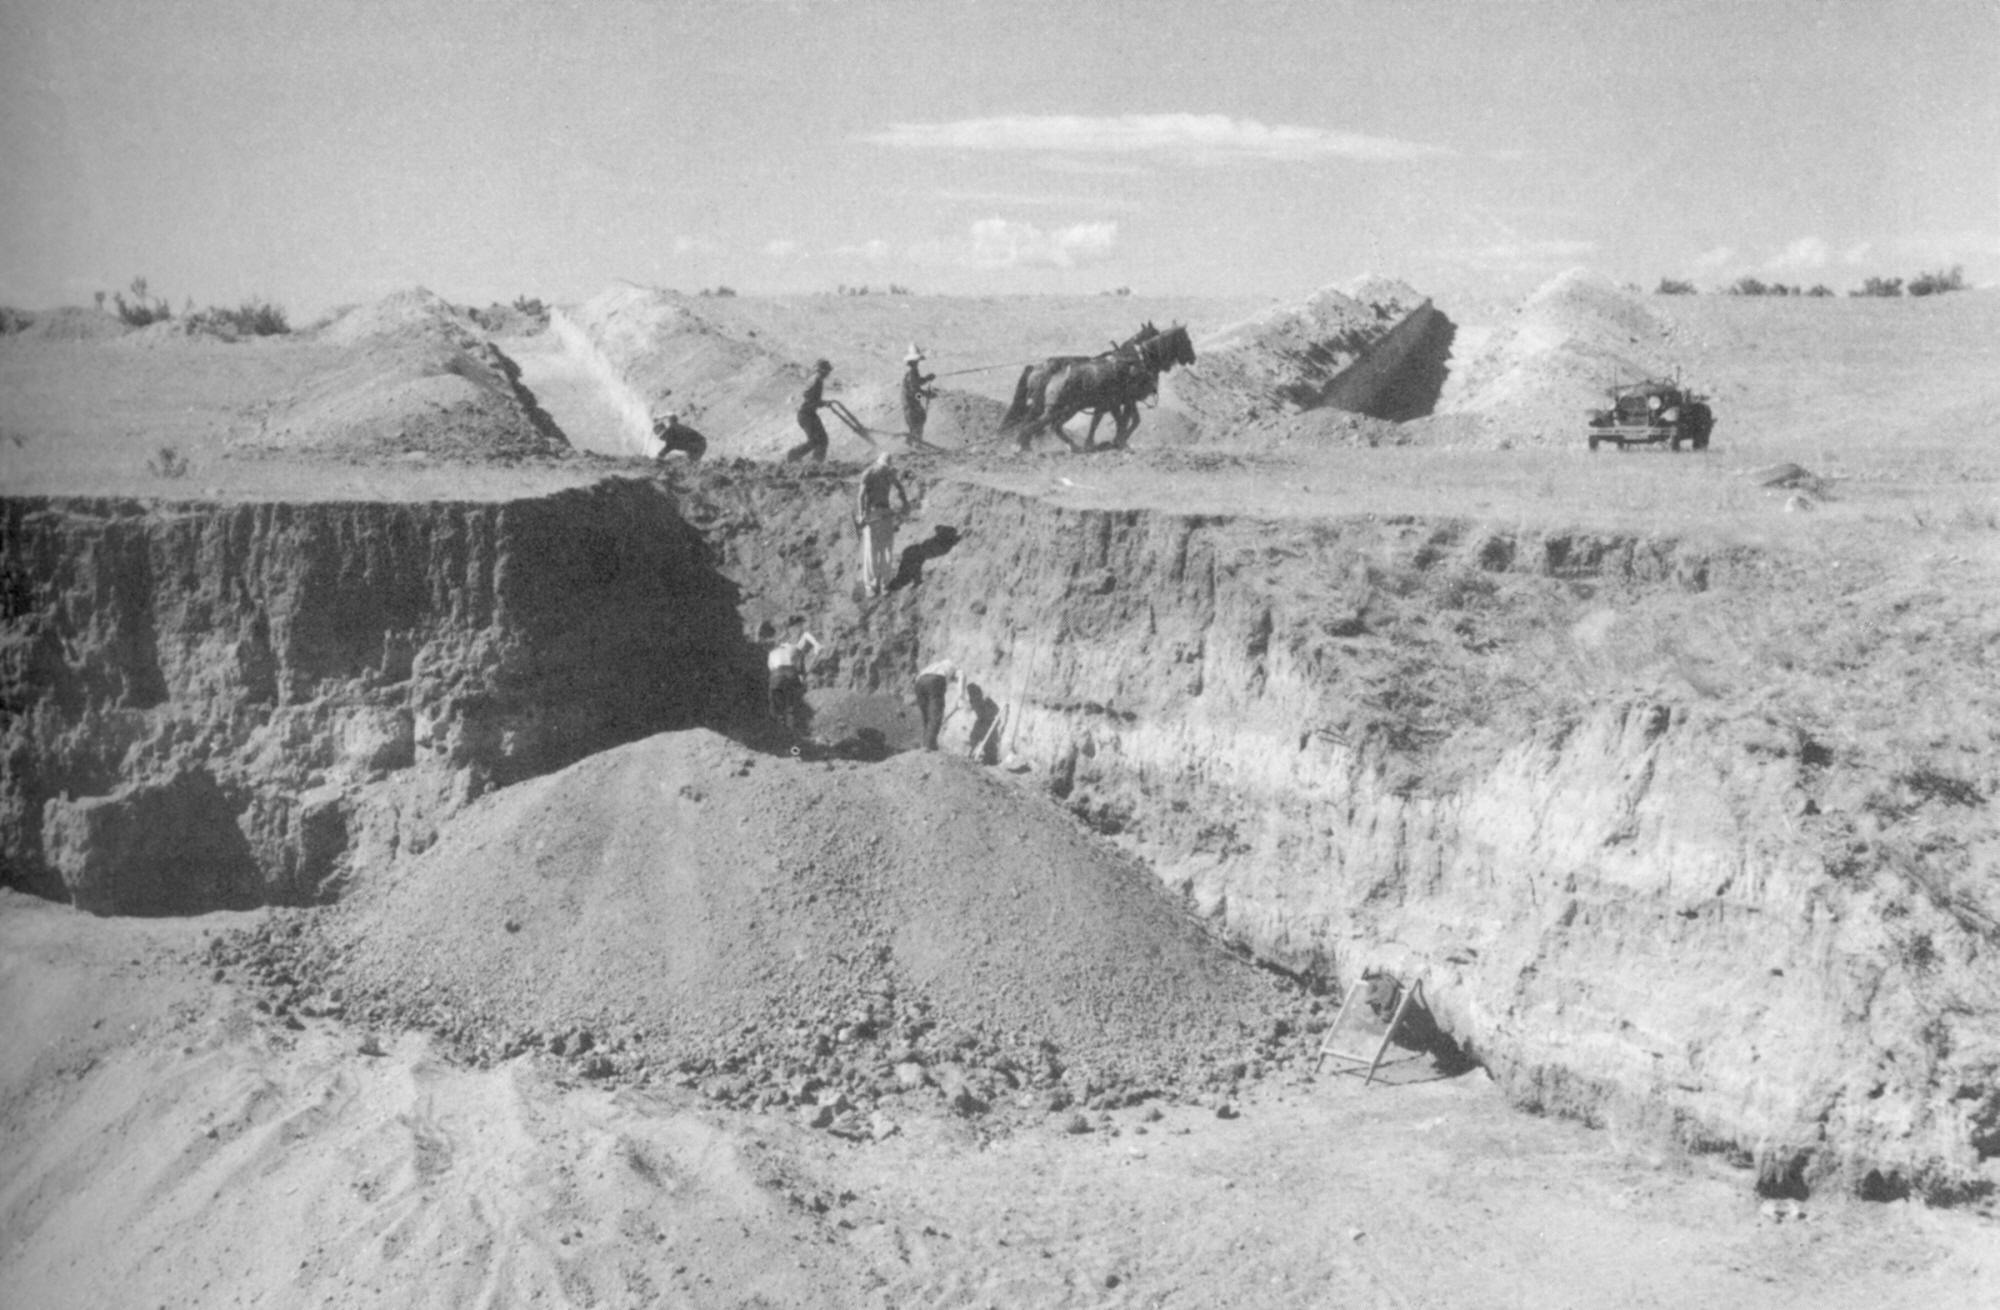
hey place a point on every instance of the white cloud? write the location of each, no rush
(1713, 261)
(1804, 255)
(875, 251)
(1184, 138)
(1002, 243)
(1023, 200)
(1095, 166)
(783, 248)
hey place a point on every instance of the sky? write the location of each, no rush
(323, 153)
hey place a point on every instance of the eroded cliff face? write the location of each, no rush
(1644, 879)
(1641, 892)
(223, 704)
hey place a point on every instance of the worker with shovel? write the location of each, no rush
(877, 521)
(933, 686)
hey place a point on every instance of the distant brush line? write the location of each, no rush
(633, 411)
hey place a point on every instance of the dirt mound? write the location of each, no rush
(1287, 359)
(417, 312)
(741, 394)
(763, 923)
(422, 382)
(72, 323)
(1572, 338)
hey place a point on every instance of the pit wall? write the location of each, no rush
(1622, 904)
(1347, 741)
(227, 705)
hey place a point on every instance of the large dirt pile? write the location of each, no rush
(1298, 358)
(424, 381)
(779, 928)
(1576, 335)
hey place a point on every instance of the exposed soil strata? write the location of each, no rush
(336, 676)
(1650, 873)
(1528, 766)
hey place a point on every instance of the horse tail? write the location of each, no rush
(1019, 409)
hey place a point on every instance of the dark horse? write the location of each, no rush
(1031, 391)
(1111, 384)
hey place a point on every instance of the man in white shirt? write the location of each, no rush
(789, 662)
(932, 686)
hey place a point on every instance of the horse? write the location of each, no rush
(1114, 385)
(1031, 390)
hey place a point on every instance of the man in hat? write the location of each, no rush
(917, 391)
(677, 437)
(877, 521)
(811, 401)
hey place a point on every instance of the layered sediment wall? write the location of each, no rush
(1370, 742)
(224, 704)
(1653, 900)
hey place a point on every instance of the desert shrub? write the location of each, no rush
(14, 320)
(1820, 289)
(898, 289)
(142, 309)
(168, 463)
(1930, 284)
(1748, 286)
(255, 317)
(1673, 287)
(1880, 286)
(718, 291)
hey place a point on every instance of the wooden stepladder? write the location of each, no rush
(1348, 1062)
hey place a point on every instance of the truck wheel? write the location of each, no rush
(1593, 441)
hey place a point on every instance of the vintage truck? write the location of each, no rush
(1651, 413)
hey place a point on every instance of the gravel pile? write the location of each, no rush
(830, 938)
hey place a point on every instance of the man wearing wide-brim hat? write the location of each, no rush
(917, 391)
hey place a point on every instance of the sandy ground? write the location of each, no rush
(241, 1161)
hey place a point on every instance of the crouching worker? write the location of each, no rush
(789, 662)
(677, 438)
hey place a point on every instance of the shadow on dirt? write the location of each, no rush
(910, 568)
